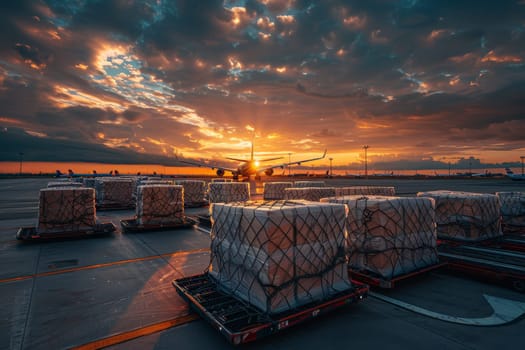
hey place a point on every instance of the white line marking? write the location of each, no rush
(505, 311)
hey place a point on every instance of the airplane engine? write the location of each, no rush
(268, 172)
(220, 172)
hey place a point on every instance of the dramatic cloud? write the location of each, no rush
(417, 81)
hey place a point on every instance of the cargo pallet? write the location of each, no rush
(131, 225)
(507, 242)
(496, 264)
(375, 280)
(31, 234)
(240, 322)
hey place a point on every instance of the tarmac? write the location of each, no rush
(115, 291)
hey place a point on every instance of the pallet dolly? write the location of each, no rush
(378, 281)
(131, 225)
(240, 322)
(31, 233)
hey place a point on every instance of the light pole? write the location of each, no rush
(331, 165)
(522, 157)
(366, 161)
(21, 159)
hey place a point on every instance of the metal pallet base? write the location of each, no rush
(240, 322)
(378, 281)
(131, 225)
(31, 234)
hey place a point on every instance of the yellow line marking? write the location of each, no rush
(97, 266)
(136, 333)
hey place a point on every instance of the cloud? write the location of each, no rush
(439, 78)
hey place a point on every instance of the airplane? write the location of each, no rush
(514, 177)
(71, 173)
(250, 166)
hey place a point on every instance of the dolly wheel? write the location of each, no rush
(519, 285)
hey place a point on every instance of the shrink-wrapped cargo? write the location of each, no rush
(389, 236)
(115, 192)
(275, 190)
(301, 184)
(160, 204)
(309, 193)
(466, 216)
(226, 192)
(278, 255)
(512, 211)
(55, 184)
(194, 192)
(66, 210)
(365, 191)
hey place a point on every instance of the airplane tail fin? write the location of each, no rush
(58, 173)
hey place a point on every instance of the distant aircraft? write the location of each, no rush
(515, 177)
(70, 173)
(250, 166)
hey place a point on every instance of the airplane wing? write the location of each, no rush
(220, 169)
(297, 162)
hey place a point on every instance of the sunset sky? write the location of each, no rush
(146, 81)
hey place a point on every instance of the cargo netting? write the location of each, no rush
(66, 210)
(301, 184)
(365, 191)
(512, 211)
(117, 192)
(160, 204)
(226, 192)
(279, 255)
(313, 194)
(389, 236)
(194, 192)
(466, 216)
(275, 190)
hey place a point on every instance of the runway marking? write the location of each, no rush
(97, 266)
(505, 311)
(137, 333)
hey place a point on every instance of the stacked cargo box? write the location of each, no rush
(275, 190)
(160, 204)
(279, 255)
(301, 184)
(115, 192)
(365, 191)
(66, 210)
(389, 236)
(309, 193)
(512, 211)
(466, 216)
(194, 192)
(226, 192)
